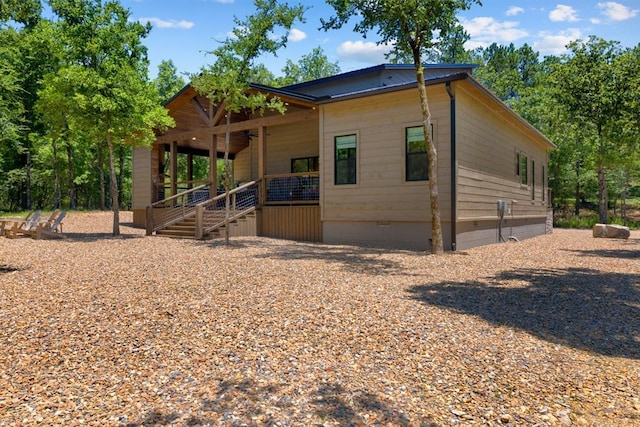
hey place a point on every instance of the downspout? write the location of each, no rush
(454, 174)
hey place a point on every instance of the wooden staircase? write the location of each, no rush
(186, 228)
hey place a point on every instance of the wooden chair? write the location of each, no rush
(53, 229)
(18, 226)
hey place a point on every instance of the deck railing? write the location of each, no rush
(242, 201)
(173, 209)
(293, 188)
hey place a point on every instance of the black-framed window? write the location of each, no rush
(417, 160)
(533, 179)
(524, 173)
(522, 163)
(345, 159)
(305, 164)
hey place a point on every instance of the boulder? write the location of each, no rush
(611, 231)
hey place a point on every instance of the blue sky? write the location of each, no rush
(184, 30)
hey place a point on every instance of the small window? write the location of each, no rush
(523, 169)
(345, 158)
(533, 180)
(417, 160)
(305, 164)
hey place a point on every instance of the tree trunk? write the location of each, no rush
(603, 196)
(56, 176)
(576, 209)
(120, 182)
(113, 187)
(28, 178)
(71, 171)
(103, 197)
(437, 243)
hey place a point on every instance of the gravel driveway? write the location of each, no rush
(142, 331)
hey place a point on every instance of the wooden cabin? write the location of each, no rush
(346, 164)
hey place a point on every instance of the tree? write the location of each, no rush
(226, 81)
(411, 25)
(313, 66)
(507, 71)
(104, 76)
(593, 90)
(168, 83)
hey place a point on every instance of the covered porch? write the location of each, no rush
(271, 157)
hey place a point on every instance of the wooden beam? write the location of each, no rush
(201, 111)
(276, 120)
(215, 120)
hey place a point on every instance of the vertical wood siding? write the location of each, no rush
(300, 223)
(142, 184)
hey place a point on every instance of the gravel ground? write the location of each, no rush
(138, 331)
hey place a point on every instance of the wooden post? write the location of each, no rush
(149, 221)
(213, 166)
(199, 222)
(174, 167)
(190, 169)
(262, 162)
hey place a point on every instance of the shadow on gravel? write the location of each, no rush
(363, 260)
(582, 308)
(8, 269)
(251, 403)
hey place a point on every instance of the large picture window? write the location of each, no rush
(417, 160)
(345, 159)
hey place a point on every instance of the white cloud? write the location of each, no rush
(486, 30)
(160, 23)
(563, 13)
(555, 43)
(224, 1)
(367, 52)
(616, 11)
(296, 35)
(514, 10)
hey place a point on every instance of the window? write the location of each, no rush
(305, 164)
(417, 160)
(533, 180)
(345, 158)
(521, 168)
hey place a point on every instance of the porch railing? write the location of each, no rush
(173, 209)
(212, 214)
(293, 188)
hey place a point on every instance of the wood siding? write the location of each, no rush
(487, 141)
(300, 223)
(142, 184)
(284, 143)
(381, 192)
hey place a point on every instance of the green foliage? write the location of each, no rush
(168, 83)
(313, 66)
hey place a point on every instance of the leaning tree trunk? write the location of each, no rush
(71, 178)
(437, 244)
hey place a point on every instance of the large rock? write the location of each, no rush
(611, 231)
